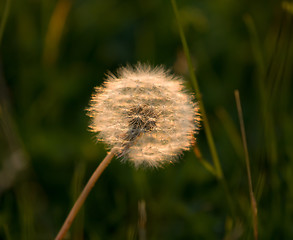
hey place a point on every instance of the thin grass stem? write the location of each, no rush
(82, 197)
(207, 128)
(252, 197)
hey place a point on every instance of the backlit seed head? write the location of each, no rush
(145, 114)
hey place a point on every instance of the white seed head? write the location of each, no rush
(144, 114)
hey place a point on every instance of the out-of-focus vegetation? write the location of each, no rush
(52, 55)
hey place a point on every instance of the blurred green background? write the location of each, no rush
(54, 52)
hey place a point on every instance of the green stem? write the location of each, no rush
(198, 96)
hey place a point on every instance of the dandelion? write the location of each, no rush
(145, 115)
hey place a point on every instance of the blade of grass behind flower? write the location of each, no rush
(211, 143)
(208, 132)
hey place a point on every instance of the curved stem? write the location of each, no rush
(82, 197)
(207, 128)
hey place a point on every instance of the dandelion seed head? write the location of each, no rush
(145, 114)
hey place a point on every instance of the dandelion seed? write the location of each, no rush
(145, 115)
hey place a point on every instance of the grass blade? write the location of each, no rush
(206, 125)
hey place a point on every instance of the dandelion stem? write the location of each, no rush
(82, 197)
(252, 198)
(198, 96)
